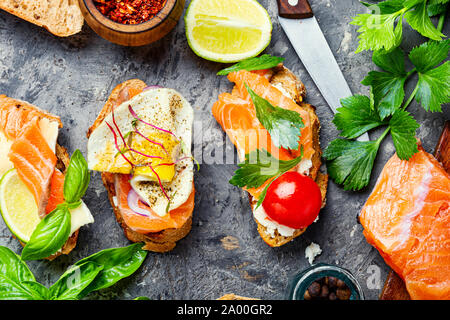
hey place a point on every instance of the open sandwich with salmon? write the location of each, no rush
(277, 139)
(33, 167)
(141, 142)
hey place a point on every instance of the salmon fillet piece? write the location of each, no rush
(35, 162)
(152, 222)
(407, 219)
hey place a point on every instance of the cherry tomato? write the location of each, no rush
(293, 200)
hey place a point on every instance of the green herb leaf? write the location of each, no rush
(265, 61)
(356, 117)
(388, 87)
(403, 130)
(419, 20)
(264, 193)
(350, 162)
(385, 7)
(429, 55)
(436, 7)
(260, 166)
(141, 298)
(434, 88)
(283, 125)
(74, 281)
(14, 268)
(77, 178)
(38, 291)
(13, 290)
(49, 236)
(379, 31)
(118, 263)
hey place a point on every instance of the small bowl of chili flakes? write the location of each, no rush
(132, 22)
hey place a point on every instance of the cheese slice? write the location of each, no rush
(5, 146)
(80, 216)
(49, 130)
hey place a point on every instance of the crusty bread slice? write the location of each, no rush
(61, 17)
(164, 240)
(295, 88)
(62, 163)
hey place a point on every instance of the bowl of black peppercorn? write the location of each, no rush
(324, 282)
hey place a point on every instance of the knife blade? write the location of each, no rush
(304, 33)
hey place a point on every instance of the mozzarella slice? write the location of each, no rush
(80, 216)
(5, 146)
(49, 130)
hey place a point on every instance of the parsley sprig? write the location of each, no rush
(259, 167)
(350, 162)
(283, 125)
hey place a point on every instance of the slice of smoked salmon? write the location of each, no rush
(35, 162)
(262, 87)
(14, 116)
(153, 222)
(407, 218)
(56, 191)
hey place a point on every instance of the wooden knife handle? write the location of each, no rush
(294, 9)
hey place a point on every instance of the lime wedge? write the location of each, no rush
(227, 31)
(18, 206)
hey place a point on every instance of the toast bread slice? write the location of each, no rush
(61, 17)
(295, 88)
(63, 160)
(164, 240)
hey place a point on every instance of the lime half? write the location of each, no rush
(227, 30)
(18, 206)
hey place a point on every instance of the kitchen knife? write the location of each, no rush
(302, 29)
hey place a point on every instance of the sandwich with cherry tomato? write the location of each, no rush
(277, 139)
(141, 143)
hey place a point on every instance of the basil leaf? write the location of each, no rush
(12, 290)
(75, 280)
(141, 298)
(12, 267)
(265, 61)
(38, 291)
(118, 263)
(49, 236)
(283, 125)
(77, 178)
(260, 166)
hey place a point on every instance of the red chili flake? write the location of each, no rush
(129, 11)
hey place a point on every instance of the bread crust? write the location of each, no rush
(292, 84)
(72, 17)
(63, 160)
(164, 240)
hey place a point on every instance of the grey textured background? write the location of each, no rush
(73, 77)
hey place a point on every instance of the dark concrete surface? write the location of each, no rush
(73, 77)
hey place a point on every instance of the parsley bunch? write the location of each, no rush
(350, 162)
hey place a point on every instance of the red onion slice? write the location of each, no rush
(133, 202)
